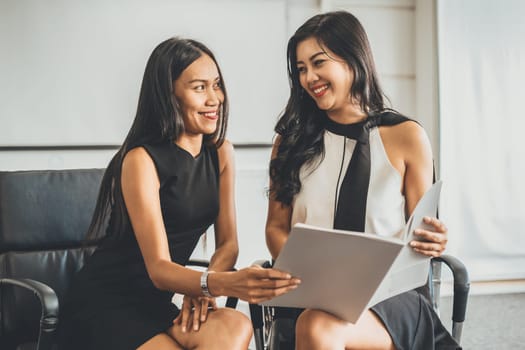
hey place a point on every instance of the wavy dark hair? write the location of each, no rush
(301, 124)
(158, 120)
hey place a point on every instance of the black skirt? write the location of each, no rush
(409, 319)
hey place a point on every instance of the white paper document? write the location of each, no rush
(345, 273)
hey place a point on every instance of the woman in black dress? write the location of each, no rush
(172, 178)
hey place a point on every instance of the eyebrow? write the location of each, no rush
(203, 80)
(313, 56)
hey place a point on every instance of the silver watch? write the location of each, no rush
(204, 284)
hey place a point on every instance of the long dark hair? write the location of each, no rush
(158, 119)
(301, 124)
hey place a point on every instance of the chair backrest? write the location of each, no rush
(44, 216)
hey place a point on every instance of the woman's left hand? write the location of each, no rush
(194, 311)
(432, 241)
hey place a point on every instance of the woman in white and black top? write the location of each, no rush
(342, 159)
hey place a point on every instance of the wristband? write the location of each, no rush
(204, 284)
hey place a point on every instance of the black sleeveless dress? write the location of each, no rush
(112, 303)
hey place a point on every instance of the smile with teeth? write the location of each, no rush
(210, 115)
(319, 91)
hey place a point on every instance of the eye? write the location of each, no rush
(301, 69)
(217, 85)
(318, 62)
(199, 87)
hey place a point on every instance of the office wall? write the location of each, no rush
(71, 73)
(71, 70)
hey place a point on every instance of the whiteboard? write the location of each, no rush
(70, 71)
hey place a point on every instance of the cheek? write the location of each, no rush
(349, 78)
(302, 81)
(220, 96)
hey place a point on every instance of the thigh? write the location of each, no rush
(160, 341)
(224, 328)
(368, 333)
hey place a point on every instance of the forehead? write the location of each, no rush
(308, 47)
(203, 68)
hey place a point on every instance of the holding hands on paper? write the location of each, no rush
(253, 284)
(431, 241)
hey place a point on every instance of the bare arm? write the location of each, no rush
(278, 219)
(413, 158)
(418, 164)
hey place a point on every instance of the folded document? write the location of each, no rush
(345, 273)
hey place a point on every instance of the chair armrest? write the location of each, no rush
(231, 302)
(461, 286)
(49, 302)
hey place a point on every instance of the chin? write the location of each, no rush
(324, 106)
(209, 131)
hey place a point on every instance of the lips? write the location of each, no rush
(214, 115)
(319, 90)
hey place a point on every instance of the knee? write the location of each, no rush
(237, 325)
(312, 327)
(242, 325)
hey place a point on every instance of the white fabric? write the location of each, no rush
(482, 73)
(385, 207)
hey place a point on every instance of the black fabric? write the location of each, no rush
(40, 195)
(21, 309)
(32, 346)
(351, 203)
(113, 304)
(413, 324)
(44, 216)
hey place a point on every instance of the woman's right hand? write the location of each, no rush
(253, 284)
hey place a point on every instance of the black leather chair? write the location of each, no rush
(44, 216)
(273, 334)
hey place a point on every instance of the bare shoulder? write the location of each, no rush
(137, 155)
(408, 135)
(138, 162)
(225, 153)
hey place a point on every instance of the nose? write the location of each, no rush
(214, 97)
(311, 76)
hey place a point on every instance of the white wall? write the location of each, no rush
(71, 71)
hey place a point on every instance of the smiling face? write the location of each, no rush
(327, 78)
(199, 93)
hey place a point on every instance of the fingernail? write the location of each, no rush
(183, 329)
